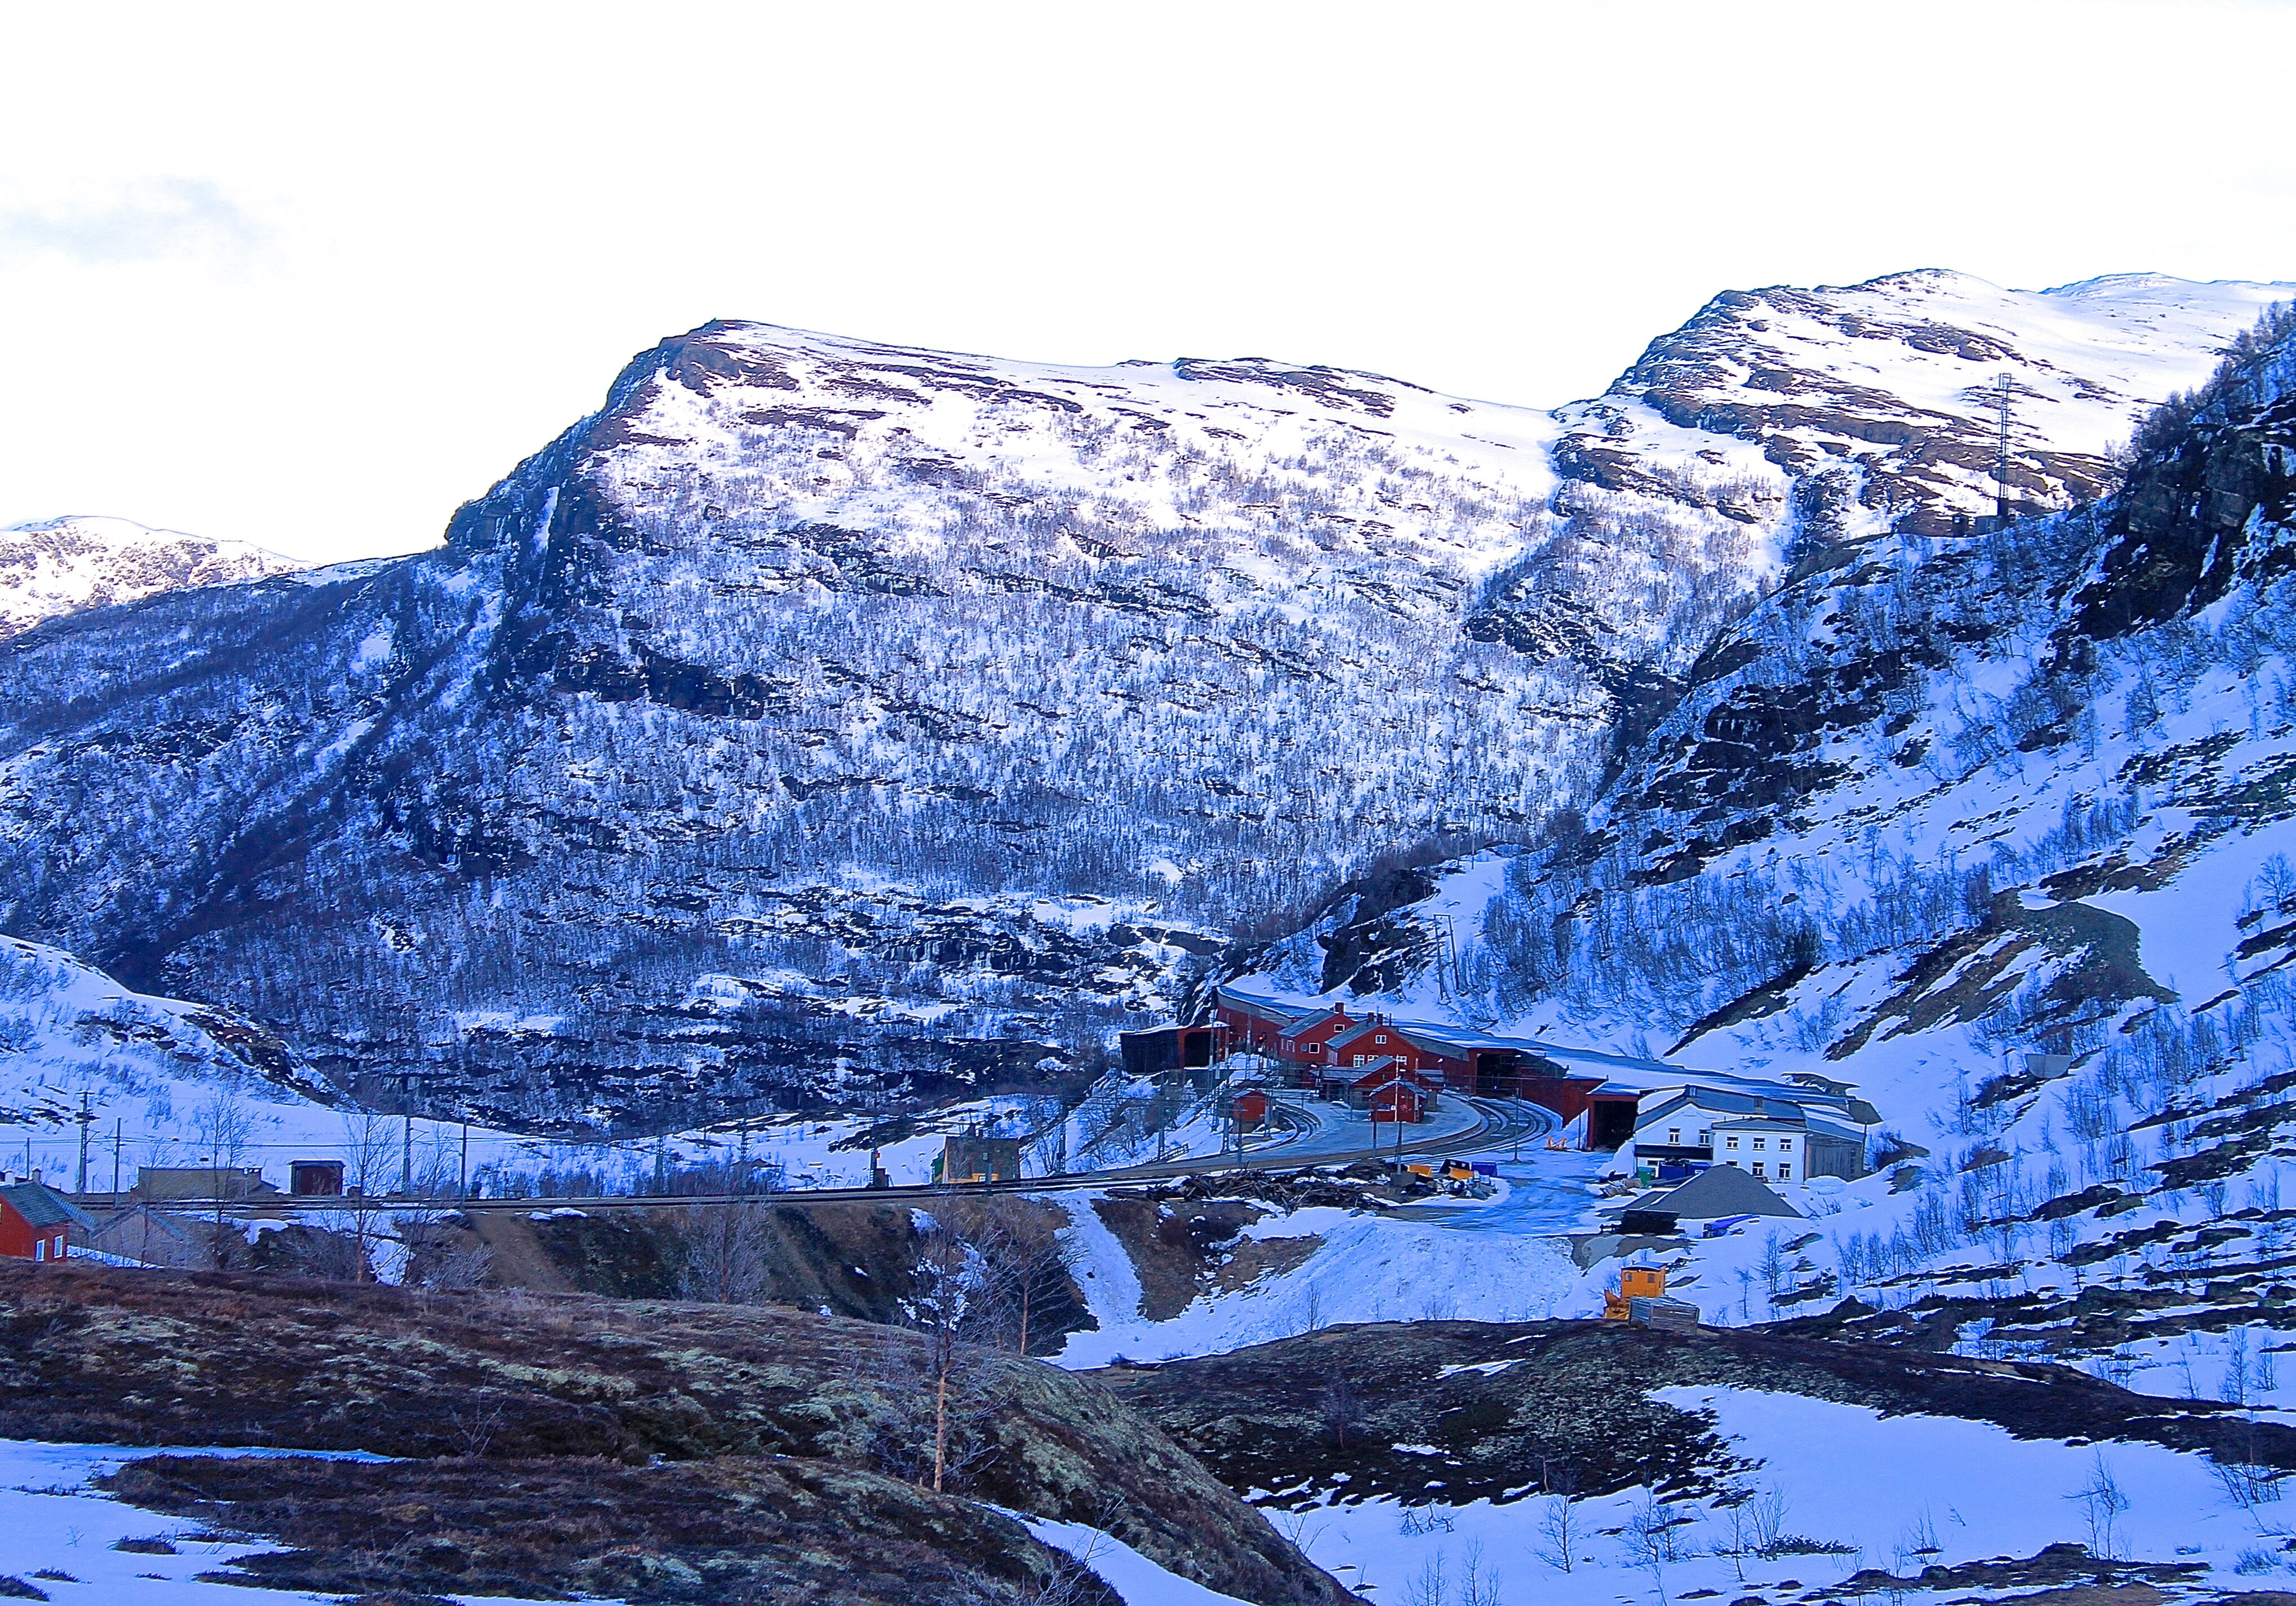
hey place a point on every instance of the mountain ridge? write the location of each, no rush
(822, 719)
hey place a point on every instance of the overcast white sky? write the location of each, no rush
(311, 277)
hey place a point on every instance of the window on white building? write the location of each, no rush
(1674, 1135)
(1785, 1172)
(1785, 1144)
(1758, 1143)
(1729, 1142)
(1758, 1167)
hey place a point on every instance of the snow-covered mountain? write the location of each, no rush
(830, 716)
(1781, 419)
(188, 1081)
(1998, 828)
(61, 565)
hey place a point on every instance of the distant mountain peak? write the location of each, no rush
(57, 566)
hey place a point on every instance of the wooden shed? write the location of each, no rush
(1169, 1048)
(314, 1178)
(978, 1159)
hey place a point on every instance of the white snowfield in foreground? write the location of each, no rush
(51, 1520)
(1886, 1487)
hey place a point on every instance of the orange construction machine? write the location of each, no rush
(1634, 1282)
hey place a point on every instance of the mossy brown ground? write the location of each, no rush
(565, 1387)
(1564, 1406)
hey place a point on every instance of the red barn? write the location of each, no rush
(1488, 1070)
(1391, 1093)
(36, 1222)
(1390, 1090)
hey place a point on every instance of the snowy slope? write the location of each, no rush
(1776, 420)
(1835, 1490)
(1999, 830)
(174, 1080)
(827, 720)
(63, 565)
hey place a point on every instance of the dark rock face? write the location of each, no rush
(2209, 475)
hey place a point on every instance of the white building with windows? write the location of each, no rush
(1772, 1139)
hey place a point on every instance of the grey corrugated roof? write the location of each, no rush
(43, 1207)
(1718, 1191)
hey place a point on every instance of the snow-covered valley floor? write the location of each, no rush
(1840, 1490)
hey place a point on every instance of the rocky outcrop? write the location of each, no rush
(1457, 1412)
(504, 1405)
(2210, 491)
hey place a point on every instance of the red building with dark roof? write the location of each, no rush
(36, 1222)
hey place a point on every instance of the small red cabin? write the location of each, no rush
(1397, 1099)
(36, 1222)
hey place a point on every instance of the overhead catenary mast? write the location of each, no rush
(2004, 392)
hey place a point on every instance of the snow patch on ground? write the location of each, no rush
(1884, 1488)
(53, 1520)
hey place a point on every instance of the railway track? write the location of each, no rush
(1499, 1121)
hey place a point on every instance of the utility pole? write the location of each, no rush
(86, 1118)
(118, 1129)
(406, 1150)
(2003, 391)
(465, 1188)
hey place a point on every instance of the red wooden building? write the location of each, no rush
(1490, 1070)
(1310, 1040)
(1255, 1028)
(1387, 1088)
(36, 1222)
(1376, 1039)
(1169, 1048)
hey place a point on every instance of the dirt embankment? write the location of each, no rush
(1514, 1408)
(844, 1259)
(567, 1443)
(854, 1260)
(1185, 1238)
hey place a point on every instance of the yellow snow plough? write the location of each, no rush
(1634, 1282)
